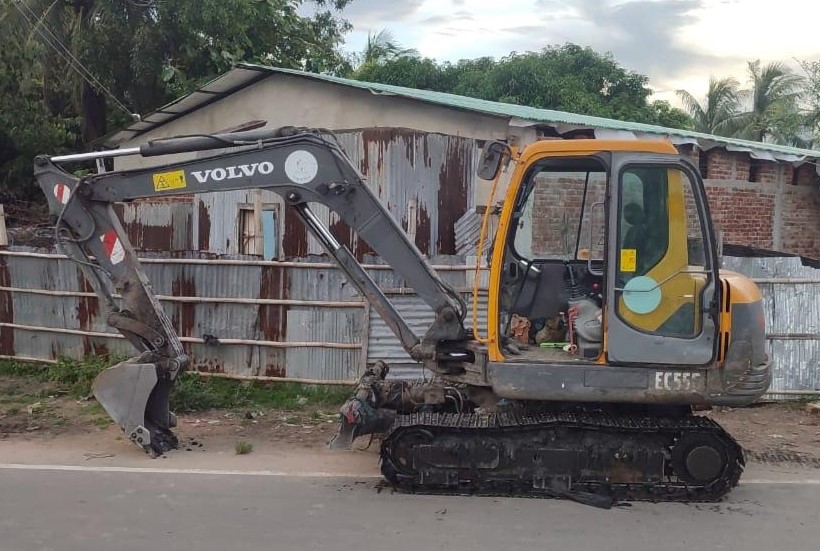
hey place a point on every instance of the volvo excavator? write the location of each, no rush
(610, 323)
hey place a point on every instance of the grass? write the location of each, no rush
(243, 447)
(71, 376)
(190, 393)
(11, 368)
(193, 393)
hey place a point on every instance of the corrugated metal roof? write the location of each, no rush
(245, 74)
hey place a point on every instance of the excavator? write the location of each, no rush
(610, 323)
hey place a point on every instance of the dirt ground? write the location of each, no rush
(773, 433)
(29, 412)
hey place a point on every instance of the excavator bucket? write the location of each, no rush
(137, 399)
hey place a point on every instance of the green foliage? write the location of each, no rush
(565, 78)
(670, 117)
(192, 393)
(27, 126)
(144, 53)
(67, 375)
(243, 447)
(717, 113)
(773, 103)
(76, 376)
(811, 100)
(382, 47)
(779, 106)
(10, 368)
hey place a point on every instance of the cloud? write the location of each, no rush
(642, 36)
(378, 14)
(676, 43)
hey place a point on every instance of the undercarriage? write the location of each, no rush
(439, 438)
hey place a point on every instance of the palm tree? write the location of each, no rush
(719, 109)
(381, 47)
(773, 99)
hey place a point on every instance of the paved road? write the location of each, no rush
(123, 511)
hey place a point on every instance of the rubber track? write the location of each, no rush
(466, 425)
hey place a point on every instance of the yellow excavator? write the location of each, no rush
(609, 318)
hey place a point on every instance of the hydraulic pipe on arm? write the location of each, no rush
(301, 166)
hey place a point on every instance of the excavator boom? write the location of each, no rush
(303, 166)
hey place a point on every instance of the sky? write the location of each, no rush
(678, 44)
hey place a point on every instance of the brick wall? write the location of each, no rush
(763, 203)
(753, 202)
(743, 211)
(800, 220)
(727, 165)
(806, 175)
(556, 213)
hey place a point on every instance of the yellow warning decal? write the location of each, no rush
(629, 260)
(164, 181)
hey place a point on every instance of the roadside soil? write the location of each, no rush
(774, 433)
(53, 427)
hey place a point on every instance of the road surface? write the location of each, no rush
(69, 508)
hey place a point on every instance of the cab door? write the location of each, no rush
(662, 267)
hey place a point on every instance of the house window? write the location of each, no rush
(264, 244)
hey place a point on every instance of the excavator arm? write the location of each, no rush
(303, 166)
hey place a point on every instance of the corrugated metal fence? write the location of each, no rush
(791, 295)
(235, 315)
(241, 316)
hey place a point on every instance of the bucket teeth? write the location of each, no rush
(136, 398)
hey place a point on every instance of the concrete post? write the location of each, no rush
(777, 215)
(4, 238)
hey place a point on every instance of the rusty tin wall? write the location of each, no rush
(79, 310)
(427, 182)
(41, 293)
(158, 226)
(326, 340)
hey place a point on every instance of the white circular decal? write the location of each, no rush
(301, 167)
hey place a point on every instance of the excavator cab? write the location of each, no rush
(614, 242)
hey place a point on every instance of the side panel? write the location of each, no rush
(745, 368)
(561, 382)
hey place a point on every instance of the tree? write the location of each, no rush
(773, 102)
(28, 127)
(670, 117)
(411, 72)
(718, 111)
(146, 52)
(381, 47)
(566, 78)
(75, 68)
(811, 98)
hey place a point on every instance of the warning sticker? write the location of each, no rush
(113, 247)
(629, 260)
(165, 181)
(62, 192)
